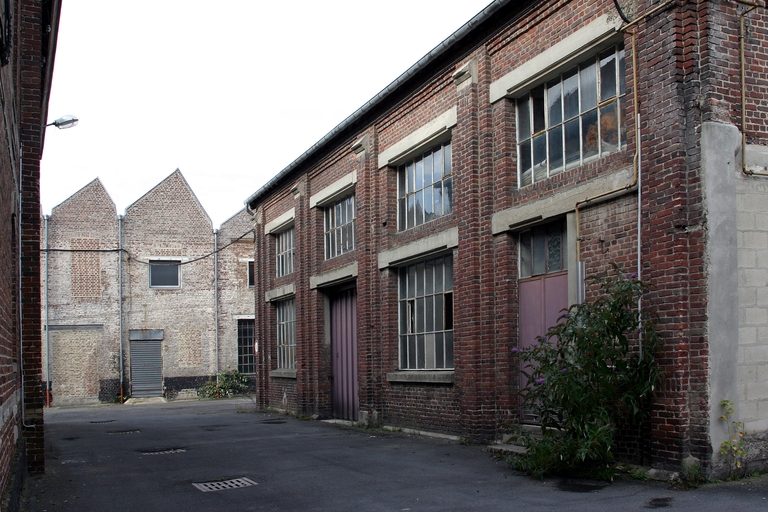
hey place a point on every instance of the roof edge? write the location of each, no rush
(421, 64)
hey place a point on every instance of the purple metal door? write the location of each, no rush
(542, 299)
(344, 394)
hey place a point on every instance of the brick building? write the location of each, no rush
(28, 32)
(147, 292)
(450, 218)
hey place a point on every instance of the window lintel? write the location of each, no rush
(280, 293)
(436, 131)
(335, 191)
(428, 246)
(281, 223)
(597, 35)
(422, 376)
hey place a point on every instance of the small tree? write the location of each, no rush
(588, 374)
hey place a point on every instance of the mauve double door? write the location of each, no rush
(344, 384)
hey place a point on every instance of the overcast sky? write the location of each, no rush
(230, 92)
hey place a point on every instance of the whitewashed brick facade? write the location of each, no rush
(82, 306)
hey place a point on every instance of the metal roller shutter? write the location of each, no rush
(146, 369)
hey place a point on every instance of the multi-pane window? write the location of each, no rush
(340, 227)
(245, 352)
(286, 334)
(580, 114)
(425, 187)
(543, 250)
(284, 252)
(164, 274)
(426, 315)
(251, 278)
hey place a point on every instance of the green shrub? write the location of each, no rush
(230, 383)
(587, 375)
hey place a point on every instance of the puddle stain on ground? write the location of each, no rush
(580, 486)
(659, 503)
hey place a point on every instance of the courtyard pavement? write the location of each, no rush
(224, 456)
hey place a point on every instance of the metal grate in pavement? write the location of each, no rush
(164, 452)
(124, 432)
(235, 483)
(104, 421)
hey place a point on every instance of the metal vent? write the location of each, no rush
(235, 483)
(124, 432)
(163, 452)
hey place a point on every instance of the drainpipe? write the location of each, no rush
(48, 383)
(216, 300)
(752, 7)
(120, 298)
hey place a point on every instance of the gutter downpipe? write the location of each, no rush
(120, 299)
(46, 324)
(743, 80)
(636, 166)
(216, 301)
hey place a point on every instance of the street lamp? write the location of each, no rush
(64, 122)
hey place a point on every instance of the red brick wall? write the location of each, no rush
(687, 74)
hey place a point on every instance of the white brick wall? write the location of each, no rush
(89, 214)
(83, 289)
(752, 222)
(236, 299)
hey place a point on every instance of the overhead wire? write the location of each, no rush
(157, 263)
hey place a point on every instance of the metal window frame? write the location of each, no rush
(246, 339)
(286, 334)
(284, 247)
(403, 189)
(334, 229)
(165, 263)
(411, 322)
(620, 54)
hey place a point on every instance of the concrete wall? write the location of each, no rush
(752, 222)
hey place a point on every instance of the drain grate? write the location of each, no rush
(163, 452)
(104, 421)
(235, 483)
(124, 432)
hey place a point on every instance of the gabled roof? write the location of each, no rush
(89, 188)
(174, 175)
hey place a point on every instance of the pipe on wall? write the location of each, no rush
(216, 300)
(120, 301)
(48, 384)
(742, 82)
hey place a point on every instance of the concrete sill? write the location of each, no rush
(283, 373)
(427, 377)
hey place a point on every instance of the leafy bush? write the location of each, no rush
(587, 375)
(230, 383)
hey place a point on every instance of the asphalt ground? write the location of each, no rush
(148, 457)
